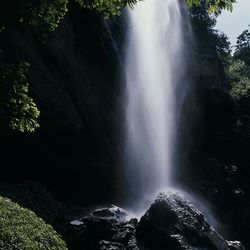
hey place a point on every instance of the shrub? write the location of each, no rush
(21, 229)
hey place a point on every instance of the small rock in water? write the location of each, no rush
(112, 211)
(108, 245)
(76, 222)
(235, 245)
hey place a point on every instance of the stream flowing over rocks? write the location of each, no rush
(172, 222)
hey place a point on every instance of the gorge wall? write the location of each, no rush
(74, 80)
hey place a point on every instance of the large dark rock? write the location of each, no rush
(172, 222)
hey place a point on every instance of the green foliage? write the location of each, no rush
(42, 16)
(201, 18)
(242, 48)
(46, 14)
(222, 43)
(241, 89)
(238, 68)
(209, 37)
(16, 106)
(107, 7)
(21, 229)
(243, 40)
(114, 7)
(35, 197)
(239, 78)
(214, 6)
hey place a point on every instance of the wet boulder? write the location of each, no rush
(107, 228)
(108, 245)
(173, 222)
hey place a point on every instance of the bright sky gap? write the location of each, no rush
(233, 23)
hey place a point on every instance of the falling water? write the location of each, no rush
(155, 68)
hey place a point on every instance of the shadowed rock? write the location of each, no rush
(172, 222)
(108, 228)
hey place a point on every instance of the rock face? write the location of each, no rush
(74, 81)
(172, 222)
(108, 228)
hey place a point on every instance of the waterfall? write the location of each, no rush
(155, 69)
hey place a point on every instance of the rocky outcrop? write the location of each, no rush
(108, 228)
(172, 222)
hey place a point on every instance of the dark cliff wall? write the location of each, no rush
(217, 166)
(74, 80)
(205, 105)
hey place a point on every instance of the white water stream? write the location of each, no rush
(154, 70)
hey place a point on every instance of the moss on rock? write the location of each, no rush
(21, 229)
